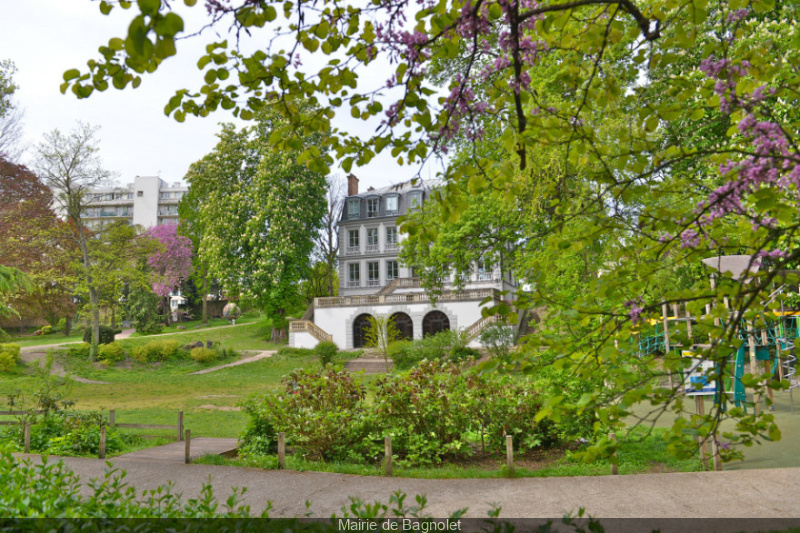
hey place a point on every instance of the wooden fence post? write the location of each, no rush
(715, 451)
(387, 450)
(180, 425)
(614, 466)
(112, 418)
(26, 435)
(281, 450)
(102, 449)
(510, 453)
(699, 403)
(187, 458)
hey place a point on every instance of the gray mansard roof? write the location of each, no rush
(402, 191)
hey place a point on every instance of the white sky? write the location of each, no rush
(46, 37)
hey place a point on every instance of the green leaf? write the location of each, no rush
(149, 7)
(71, 74)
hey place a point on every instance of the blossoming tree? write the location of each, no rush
(170, 261)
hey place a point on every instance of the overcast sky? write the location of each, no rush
(46, 37)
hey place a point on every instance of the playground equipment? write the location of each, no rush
(772, 345)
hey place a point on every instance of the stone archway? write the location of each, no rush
(434, 322)
(360, 326)
(404, 325)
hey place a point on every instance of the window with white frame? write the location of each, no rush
(414, 199)
(391, 205)
(391, 270)
(484, 270)
(353, 208)
(372, 207)
(354, 275)
(372, 239)
(391, 238)
(373, 274)
(353, 245)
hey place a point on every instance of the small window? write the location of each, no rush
(414, 200)
(372, 237)
(372, 207)
(355, 275)
(391, 237)
(139, 193)
(391, 205)
(130, 196)
(373, 274)
(353, 238)
(391, 270)
(353, 209)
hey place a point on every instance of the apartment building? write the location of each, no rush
(148, 201)
(374, 282)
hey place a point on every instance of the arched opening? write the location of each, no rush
(434, 322)
(404, 325)
(360, 326)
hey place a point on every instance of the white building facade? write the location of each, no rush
(148, 201)
(374, 282)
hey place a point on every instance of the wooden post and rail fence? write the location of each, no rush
(112, 416)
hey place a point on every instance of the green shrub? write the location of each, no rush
(321, 412)
(45, 330)
(3, 335)
(402, 354)
(106, 335)
(111, 353)
(85, 440)
(326, 350)
(498, 339)
(13, 349)
(79, 350)
(7, 361)
(288, 351)
(204, 355)
(155, 351)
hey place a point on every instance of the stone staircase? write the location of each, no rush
(368, 365)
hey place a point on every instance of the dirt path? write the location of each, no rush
(769, 493)
(257, 357)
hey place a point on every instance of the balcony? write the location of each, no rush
(485, 276)
(405, 298)
(352, 250)
(353, 284)
(373, 283)
(392, 247)
(372, 248)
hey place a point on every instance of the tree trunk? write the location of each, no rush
(167, 311)
(278, 334)
(113, 317)
(205, 296)
(67, 325)
(94, 299)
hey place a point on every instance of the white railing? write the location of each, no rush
(309, 327)
(353, 284)
(392, 247)
(475, 329)
(373, 283)
(352, 250)
(418, 297)
(372, 248)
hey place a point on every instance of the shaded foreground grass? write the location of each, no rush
(638, 454)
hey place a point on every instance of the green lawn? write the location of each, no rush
(212, 323)
(41, 340)
(251, 336)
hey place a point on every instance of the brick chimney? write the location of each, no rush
(352, 185)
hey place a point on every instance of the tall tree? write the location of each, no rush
(70, 166)
(37, 242)
(328, 238)
(261, 212)
(10, 114)
(170, 262)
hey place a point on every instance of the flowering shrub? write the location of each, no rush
(438, 410)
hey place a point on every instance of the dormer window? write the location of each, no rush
(372, 207)
(415, 199)
(353, 210)
(391, 205)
